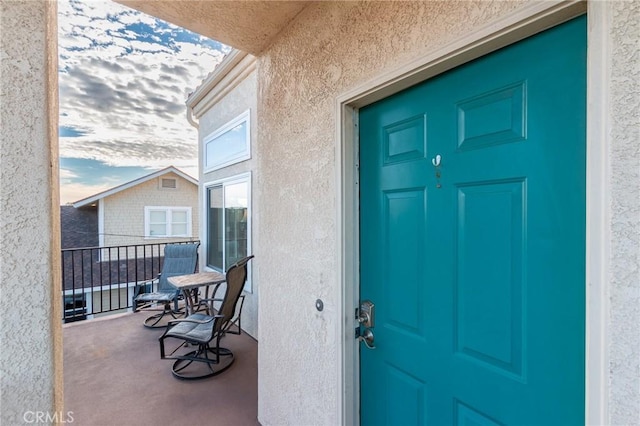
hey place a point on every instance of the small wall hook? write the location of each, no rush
(436, 160)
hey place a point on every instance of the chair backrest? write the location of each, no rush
(236, 277)
(179, 259)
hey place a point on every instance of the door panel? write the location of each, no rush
(489, 316)
(476, 266)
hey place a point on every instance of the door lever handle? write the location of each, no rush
(367, 338)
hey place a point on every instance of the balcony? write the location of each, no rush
(98, 281)
(113, 375)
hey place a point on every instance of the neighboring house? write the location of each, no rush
(329, 76)
(157, 208)
(79, 226)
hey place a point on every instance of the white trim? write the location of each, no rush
(348, 252)
(525, 22)
(101, 288)
(168, 221)
(245, 117)
(115, 190)
(204, 228)
(598, 201)
(229, 73)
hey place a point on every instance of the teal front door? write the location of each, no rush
(472, 218)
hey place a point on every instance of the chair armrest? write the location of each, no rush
(140, 284)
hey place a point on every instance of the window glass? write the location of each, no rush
(167, 221)
(179, 216)
(178, 229)
(214, 228)
(228, 218)
(157, 222)
(228, 145)
(158, 216)
(157, 230)
(235, 205)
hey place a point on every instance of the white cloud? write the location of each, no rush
(126, 91)
(149, 47)
(67, 174)
(77, 191)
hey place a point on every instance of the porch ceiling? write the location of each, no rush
(246, 25)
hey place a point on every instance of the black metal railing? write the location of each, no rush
(98, 280)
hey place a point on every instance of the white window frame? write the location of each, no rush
(169, 212)
(246, 178)
(242, 155)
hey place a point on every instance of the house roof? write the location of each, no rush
(79, 227)
(92, 199)
(233, 69)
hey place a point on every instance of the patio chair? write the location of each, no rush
(205, 331)
(179, 259)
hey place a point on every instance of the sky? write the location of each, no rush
(124, 78)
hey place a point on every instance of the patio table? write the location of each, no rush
(191, 283)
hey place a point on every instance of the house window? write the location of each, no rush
(228, 216)
(229, 144)
(167, 222)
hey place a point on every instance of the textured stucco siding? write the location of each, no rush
(243, 97)
(124, 211)
(330, 48)
(30, 325)
(624, 116)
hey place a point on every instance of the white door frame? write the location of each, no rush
(529, 20)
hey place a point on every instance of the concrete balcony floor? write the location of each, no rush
(113, 375)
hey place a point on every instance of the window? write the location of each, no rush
(167, 222)
(228, 216)
(229, 144)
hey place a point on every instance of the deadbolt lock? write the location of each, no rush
(366, 314)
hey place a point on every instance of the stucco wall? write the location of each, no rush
(330, 48)
(327, 50)
(30, 326)
(298, 380)
(124, 211)
(624, 117)
(237, 101)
